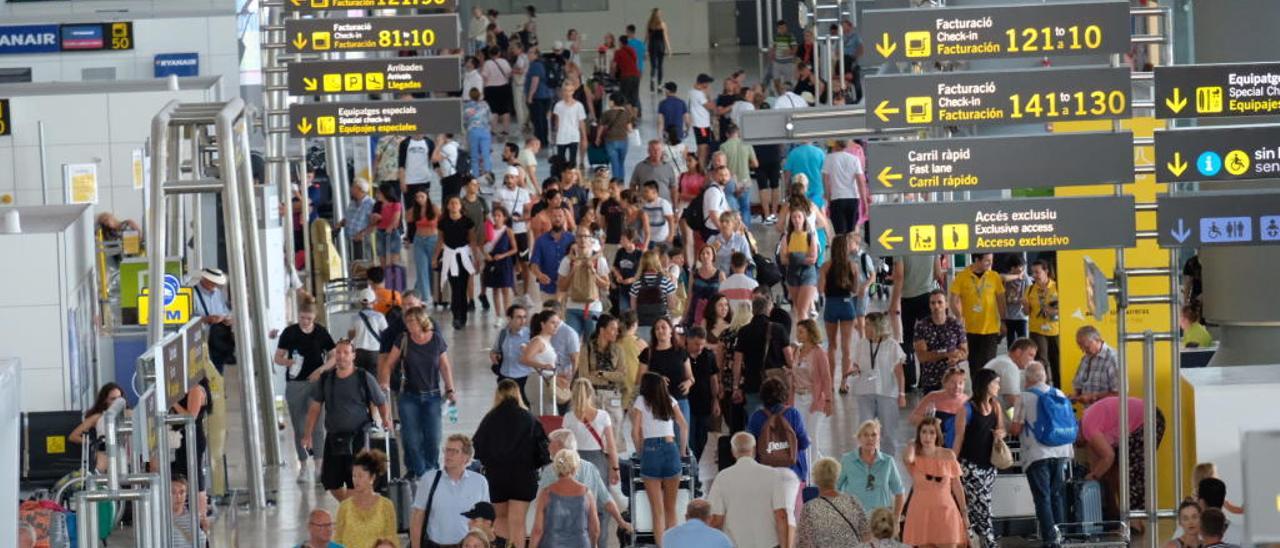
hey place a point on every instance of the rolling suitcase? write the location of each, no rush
(1013, 509)
(552, 422)
(1084, 498)
(638, 500)
(395, 278)
(398, 489)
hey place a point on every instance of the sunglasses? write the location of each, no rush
(871, 482)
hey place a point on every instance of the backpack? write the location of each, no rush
(1055, 419)
(582, 281)
(778, 444)
(463, 164)
(651, 303)
(555, 70)
(693, 215)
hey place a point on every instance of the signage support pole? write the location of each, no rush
(1175, 289)
(1122, 360)
(335, 161)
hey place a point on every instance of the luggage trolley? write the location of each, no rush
(638, 500)
(1102, 534)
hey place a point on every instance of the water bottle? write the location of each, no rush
(452, 411)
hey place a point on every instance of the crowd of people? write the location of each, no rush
(648, 324)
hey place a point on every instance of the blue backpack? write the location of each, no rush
(1055, 419)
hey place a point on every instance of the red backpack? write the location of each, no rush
(777, 445)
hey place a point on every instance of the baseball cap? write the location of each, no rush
(808, 97)
(367, 295)
(512, 171)
(482, 510)
(705, 78)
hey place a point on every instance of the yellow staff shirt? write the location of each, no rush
(980, 297)
(1038, 299)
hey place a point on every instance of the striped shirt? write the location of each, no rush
(651, 279)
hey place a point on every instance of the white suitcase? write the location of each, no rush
(1011, 497)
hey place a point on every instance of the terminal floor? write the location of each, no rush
(284, 523)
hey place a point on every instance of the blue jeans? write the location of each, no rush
(479, 142)
(583, 324)
(617, 151)
(741, 203)
(1047, 478)
(420, 430)
(424, 250)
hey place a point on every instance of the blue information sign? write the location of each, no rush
(21, 39)
(177, 64)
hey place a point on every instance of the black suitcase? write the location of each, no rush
(396, 488)
(724, 452)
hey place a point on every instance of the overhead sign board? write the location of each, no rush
(21, 39)
(784, 125)
(373, 33)
(177, 64)
(990, 163)
(1076, 28)
(998, 226)
(1231, 153)
(426, 116)
(97, 36)
(398, 75)
(1218, 218)
(6, 119)
(1215, 91)
(997, 97)
(325, 5)
(173, 359)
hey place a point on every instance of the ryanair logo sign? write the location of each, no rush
(30, 39)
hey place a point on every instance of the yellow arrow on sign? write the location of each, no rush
(296, 3)
(299, 42)
(887, 239)
(886, 177)
(310, 84)
(886, 47)
(1177, 166)
(883, 109)
(304, 126)
(1177, 102)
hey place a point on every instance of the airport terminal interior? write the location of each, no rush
(933, 273)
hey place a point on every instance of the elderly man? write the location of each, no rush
(1098, 374)
(1046, 465)
(1010, 367)
(695, 532)
(356, 223)
(744, 496)
(588, 475)
(446, 497)
(652, 168)
(319, 531)
(215, 311)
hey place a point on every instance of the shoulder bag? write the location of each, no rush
(426, 518)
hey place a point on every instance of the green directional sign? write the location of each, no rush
(1222, 153)
(1215, 91)
(373, 33)
(992, 32)
(991, 163)
(1218, 218)
(396, 75)
(997, 97)
(326, 5)
(998, 226)
(420, 117)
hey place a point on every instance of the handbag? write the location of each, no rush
(633, 138)
(431, 499)
(1001, 456)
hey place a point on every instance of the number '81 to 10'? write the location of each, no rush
(415, 38)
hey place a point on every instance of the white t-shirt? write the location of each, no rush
(602, 269)
(651, 427)
(364, 339)
(514, 201)
(1010, 375)
(472, 80)
(449, 158)
(843, 169)
(587, 441)
(740, 107)
(713, 203)
(496, 72)
(698, 108)
(789, 101)
(658, 211)
(1025, 412)
(568, 119)
(417, 162)
(747, 494)
(878, 377)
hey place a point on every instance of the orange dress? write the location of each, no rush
(932, 514)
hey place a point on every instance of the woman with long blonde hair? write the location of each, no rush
(594, 430)
(658, 42)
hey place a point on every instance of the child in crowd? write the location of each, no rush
(626, 268)
(738, 289)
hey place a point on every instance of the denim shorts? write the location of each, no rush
(390, 242)
(660, 459)
(800, 274)
(840, 309)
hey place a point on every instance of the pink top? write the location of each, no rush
(1103, 417)
(813, 376)
(387, 215)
